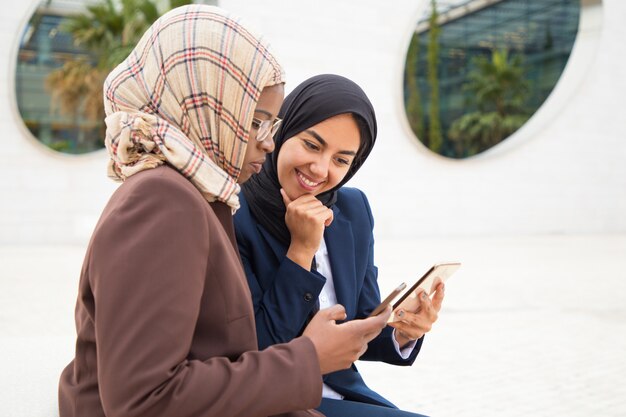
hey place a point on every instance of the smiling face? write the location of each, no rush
(267, 108)
(317, 159)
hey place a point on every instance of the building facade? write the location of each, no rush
(562, 172)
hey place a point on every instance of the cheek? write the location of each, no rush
(248, 156)
(281, 169)
(287, 159)
(252, 136)
(338, 174)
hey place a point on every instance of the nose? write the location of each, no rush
(319, 167)
(267, 144)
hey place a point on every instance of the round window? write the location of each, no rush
(476, 71)
(66, 51)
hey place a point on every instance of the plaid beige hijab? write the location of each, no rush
(186, 96)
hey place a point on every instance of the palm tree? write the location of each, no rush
(108, 31)
(498, 90)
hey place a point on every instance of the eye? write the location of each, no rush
(310, 145)
(343, 161)
(256, 124)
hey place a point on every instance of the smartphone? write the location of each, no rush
(437, 273)
(387, 301)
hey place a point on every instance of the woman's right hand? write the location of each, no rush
(340, 345)
(306, 219)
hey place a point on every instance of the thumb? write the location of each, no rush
(370, 327)
(385, 315)
(336, 312)
(330, 218)
(376, 323)
(286, 198)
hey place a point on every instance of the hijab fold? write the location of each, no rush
(186, 96)
(315, 100)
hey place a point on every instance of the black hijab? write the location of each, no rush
(315, 100)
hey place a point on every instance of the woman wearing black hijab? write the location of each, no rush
(306, 241)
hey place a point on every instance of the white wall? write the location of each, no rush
(564, 172)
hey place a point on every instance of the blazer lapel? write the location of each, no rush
(340, 244)
(277, 247)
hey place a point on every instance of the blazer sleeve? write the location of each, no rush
(382, 347)
(286, 296)
(147, 266)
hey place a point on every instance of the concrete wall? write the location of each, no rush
(563, 172)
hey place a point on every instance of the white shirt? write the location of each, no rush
(328, 298)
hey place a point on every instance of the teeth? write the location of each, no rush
(307, 182)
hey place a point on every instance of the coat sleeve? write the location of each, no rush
(284, 301)
(147, 266)
(380, 348)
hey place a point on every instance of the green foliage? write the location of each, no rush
(414, 110)
(435, 138)
(497, 88)
(60, 146)
(108, 31)
(478, 131)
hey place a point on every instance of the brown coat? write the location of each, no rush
(164, 321)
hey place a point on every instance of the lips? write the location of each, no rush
(306, 182)
(257, 166)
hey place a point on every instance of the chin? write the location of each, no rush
(243, 177)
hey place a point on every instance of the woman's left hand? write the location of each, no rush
(413, 325)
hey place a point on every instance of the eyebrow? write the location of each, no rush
(268, 114)
(323, 142)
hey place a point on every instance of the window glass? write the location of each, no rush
(476, 71)
(66, 51)
(44, 49)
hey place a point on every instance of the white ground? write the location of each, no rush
(530, 326)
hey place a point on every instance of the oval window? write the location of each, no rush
(66, 51)
(476, 71)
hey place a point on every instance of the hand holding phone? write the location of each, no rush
(428, 283)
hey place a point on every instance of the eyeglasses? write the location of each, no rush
(265, 128)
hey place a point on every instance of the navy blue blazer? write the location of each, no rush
(284, 294)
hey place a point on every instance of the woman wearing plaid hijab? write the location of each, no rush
(306, 241)
(164, 322)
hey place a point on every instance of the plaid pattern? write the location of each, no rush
(186, 96)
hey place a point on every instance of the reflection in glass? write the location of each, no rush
(497, 63)
(66, 51)
(44, 47)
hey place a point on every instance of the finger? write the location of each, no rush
(323, 214)
(424, 301)
(408, 331)
(305, 206)
(384, 315)
(435, 284)
(329, 218)
(414, 324)
(419, 320)
(307, 198)
(438, 297)
(336, 312)
(403, 316)
(423, 321)
(318, 210)
(370, 327)
(286, 198)
(310, 215)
